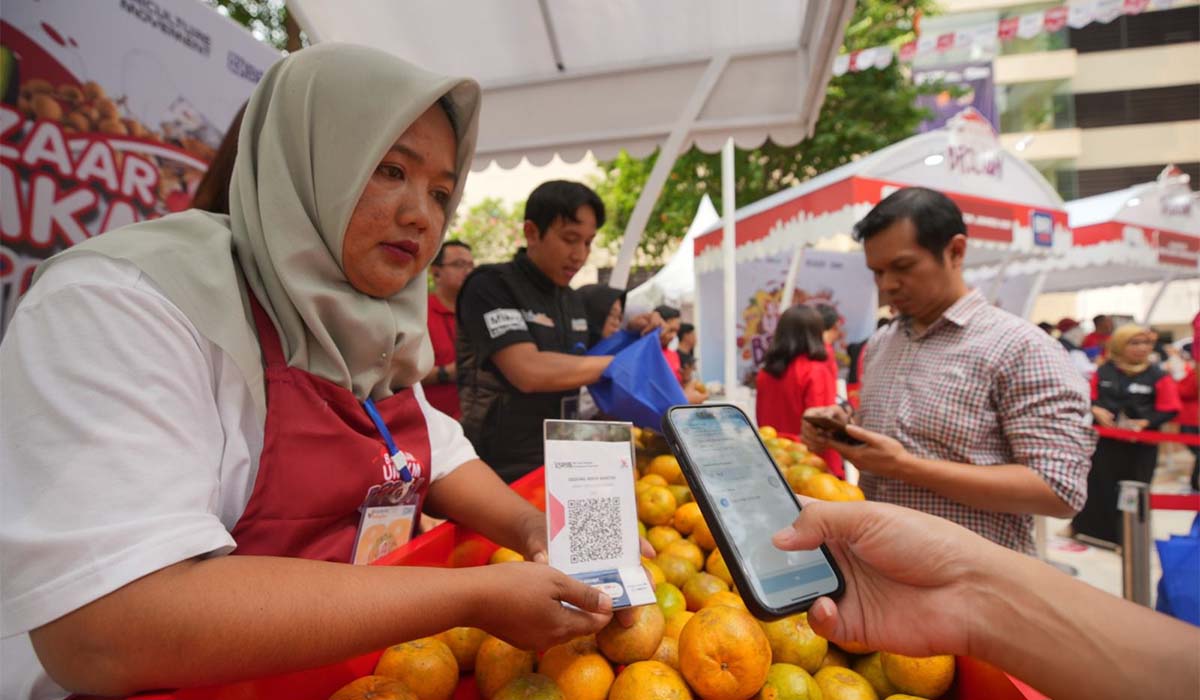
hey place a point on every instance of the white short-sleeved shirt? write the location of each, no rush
(128, 442)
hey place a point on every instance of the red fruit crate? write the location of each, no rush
(451, 546)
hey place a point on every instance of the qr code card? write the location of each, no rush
(591, 511)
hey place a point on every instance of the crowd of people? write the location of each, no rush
(205, 413)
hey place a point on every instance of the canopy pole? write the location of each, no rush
(667, 155)
(1035, 291)
(789, 284)
(1158, 295)
(729, 265)
(997, 283)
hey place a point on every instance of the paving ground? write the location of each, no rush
(1102, 568)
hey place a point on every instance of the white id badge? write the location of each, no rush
(382, 530)
(591, 511)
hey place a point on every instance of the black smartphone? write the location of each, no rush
(745, 500)
(836, 430)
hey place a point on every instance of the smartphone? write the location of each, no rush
(836, 429)
(745, 500)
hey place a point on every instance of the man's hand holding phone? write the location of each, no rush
(827, 427)
(818, 438)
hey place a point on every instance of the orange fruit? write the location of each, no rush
(928, 676)
(464, 644)
(871, 668)
(789, 682)
(799, 475)
(641, 529)
(472, 552)
(688, 551)
(715, 565)
(766, 432)
(686, 517)
(857, 648)
(704, 537)
(649, 680)
(374, 688)
(497, 663)
(578, 669)
(816, 461)
(426, 666)
(783, 457)
(850, 492)
(667, 652)
(699, 588)
(682, 494)
(625, 645)
(505, 555)
(654, 480)
(667, 467)
(529, 686)
(729, 598)
(839, 683)
(793, 641)
(676, 624)
(670, 599)
(825, 487)
(656, 505)
(656, 573)
(724, 654)
(677, 570)
(835, 657)
(660, 536)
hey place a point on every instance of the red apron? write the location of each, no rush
(321, 454)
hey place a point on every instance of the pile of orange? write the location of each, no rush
(698, 641)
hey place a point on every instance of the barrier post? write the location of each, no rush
(1133, 501)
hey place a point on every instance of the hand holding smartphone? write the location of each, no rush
(745, 500)
(835, 428)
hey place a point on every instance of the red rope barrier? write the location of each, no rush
(1175, 501)
(1147, 436)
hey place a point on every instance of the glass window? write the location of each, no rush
(1038, 106)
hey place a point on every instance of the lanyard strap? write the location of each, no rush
(384, 432)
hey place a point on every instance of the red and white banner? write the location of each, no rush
(110, 113)
(1075, 14)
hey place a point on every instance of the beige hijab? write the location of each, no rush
(316, 127)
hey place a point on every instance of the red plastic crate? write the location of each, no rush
(448, 545)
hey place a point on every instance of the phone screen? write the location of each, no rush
(752, 502)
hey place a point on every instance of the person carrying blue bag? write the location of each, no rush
(638, 385)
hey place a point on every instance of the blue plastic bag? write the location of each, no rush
(638, 386)
(1179, 587)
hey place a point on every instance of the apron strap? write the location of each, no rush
(268, 337)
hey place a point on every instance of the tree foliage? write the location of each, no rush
(492, 227)
(268, 20)
(862, 113)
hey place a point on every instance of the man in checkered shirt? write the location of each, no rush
(968, 412)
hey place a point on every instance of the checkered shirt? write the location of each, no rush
(982, 387)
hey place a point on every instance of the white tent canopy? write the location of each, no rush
(1003, 199)
(1145, 233)
(675, 283)
(570, 76)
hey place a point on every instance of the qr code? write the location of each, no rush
(595, 529)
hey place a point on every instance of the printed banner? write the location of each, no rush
(974, 79)
(111, 112)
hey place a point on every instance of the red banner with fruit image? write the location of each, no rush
(95, 136)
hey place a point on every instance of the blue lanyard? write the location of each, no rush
(373, 412)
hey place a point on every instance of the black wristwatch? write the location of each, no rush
(443, 375)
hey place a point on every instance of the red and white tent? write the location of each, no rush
(1010, 210)
(1145, 233)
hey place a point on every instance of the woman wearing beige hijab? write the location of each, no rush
(1128, 392)
(204, 385)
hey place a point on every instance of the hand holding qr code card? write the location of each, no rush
(591, 511)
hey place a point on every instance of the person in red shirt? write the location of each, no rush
(449, 269)
(795, 377)
(1189, 415)
(1099, 337)
(831, 322)
(671, 323)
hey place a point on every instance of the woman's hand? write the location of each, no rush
(533, 535)
(1104, 417)
(910, 577)
(522, 603)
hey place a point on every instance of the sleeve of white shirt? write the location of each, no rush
(110, 443)
(449, 449)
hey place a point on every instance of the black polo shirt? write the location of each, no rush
(501, 305)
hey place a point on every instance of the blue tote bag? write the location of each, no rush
(1179, 587)
(638, 386)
